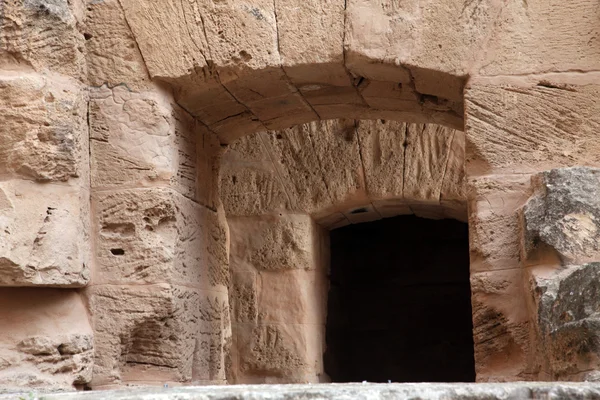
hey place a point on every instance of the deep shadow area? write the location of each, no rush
(399, 305)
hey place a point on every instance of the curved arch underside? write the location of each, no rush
(347, 171)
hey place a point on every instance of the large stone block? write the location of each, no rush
(568, 324)
(274, 243)
(564, 214)
(144, 139)
(501, 329)
(156, 236)
(537, 36)
(494, 221)
(46, 340)
(44, 235)
(532, 124)
(43, 135)
(156, 334)
(42, 35)
(113, 56)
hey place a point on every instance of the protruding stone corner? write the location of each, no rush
(567, 325)
(564, 215)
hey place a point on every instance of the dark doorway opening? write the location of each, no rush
(399, 305)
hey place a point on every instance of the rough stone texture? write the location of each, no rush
(564, 214)
(158, 334)
(43, 136)
(142, 139)
(42, 35)
(332, 169)
(359, 391)
(567, 323)
(506, 132)
(44, 235)
(277, 299)
(46, 340)
(500, 326)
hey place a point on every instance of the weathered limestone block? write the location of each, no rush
(494, 220)
(113, 56)
(249, 183)
(44, 239)
(538, 36)
(42, 35)
(156, 236)
(507, 132)
(274, 243)
(500, 326)
(295, 159)
(156, 334)
(567, 323)
(426, 157)
(453, 194)
(564, 214)
(43, 135)
(382, 148)
(434, 43)
(46, 341)
(143, 139)
(277, 353)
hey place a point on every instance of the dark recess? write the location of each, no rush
(399, 305)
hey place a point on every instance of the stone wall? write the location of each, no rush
(116, 117)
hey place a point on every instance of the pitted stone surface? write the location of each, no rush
(354, 391)
(565, 214)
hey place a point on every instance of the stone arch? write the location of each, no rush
(282, 191)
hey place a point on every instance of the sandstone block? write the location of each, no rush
(568, 327)
(44, 239)
(46, 342)
(500, 326)
(507, 133)
(547, 38)
(564, 214)
(274, 243)
(277, 353)
(156, 236)
(113, 56)
(494, 228)
(43, 135)
(143, 139)
(154, 334)
(42, 35)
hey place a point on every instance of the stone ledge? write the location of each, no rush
(371, 391)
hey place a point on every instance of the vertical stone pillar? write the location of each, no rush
(516, 127)
(278, 298)
(46, 340)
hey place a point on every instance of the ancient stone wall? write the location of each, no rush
(118, 229)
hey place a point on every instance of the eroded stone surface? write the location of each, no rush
(44, 235)
(45, 342)
(43, 135)
(158, 334)
(567, 323)
(565, 214)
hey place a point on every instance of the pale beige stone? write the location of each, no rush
(273, 242)
(157, 236)
(538, 36)
(494, 220)
(507, 131)
(500, 326)
(156, 334)
(44, 235)
(42, 35)
(113, 56)
(43, 135)
(46, 341)
(143, 139)
(427, 152)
